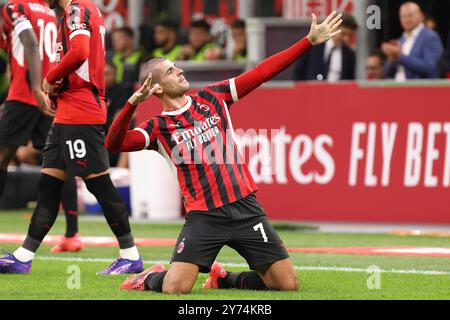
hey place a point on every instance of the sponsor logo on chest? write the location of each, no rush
(196, 133)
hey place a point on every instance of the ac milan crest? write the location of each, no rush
(181, 246)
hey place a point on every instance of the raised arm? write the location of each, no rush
(275, 64)
(119, 138)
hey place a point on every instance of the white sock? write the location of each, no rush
(129, 254)
(23, 255)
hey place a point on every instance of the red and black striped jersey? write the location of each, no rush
(199, 140)
(81, 99)
(21, 15)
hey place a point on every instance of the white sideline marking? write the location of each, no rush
(244, 265)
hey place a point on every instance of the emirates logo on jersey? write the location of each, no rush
(200, 133)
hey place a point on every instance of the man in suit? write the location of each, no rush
(375, 66)
(416, 55)
(332, 61)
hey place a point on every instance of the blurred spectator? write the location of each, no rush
(165, 38)
(416, 55)
(332, 61)
(375, 66)
(431, 23)
(239, 36)
(125, 58)
(116, 97)
(200, 46)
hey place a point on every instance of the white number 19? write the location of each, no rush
(78, 146)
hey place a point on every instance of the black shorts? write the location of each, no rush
(21, 122)
(77, 149)
(241, 225)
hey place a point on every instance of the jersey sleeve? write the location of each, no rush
(237, 88)
(78, 20)
(225, 90)
(16, 18)
(147, 129)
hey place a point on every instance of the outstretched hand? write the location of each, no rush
(328, 29)
(144, 92)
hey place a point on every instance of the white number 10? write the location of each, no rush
(47, 39)
(260, 226)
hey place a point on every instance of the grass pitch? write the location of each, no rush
(322, 276)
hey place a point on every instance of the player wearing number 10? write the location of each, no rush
(75, 142)
(29, 36)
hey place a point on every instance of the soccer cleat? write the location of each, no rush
(137, 281)
(121, 266)
(72, 244)
(217, 271)
(9, 264)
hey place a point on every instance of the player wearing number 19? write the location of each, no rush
(75, 142)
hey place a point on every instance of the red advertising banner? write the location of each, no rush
(302, 9)
(115, 12)
(343, 152)
(201, 9)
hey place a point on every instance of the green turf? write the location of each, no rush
(49, 277)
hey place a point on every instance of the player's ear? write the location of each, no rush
(159, 91)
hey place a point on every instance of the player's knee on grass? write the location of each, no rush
(181, 278)
(281, 276)
(290, 283)
(177, 286)
(284, 283)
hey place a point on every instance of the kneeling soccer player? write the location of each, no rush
(217, 188)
